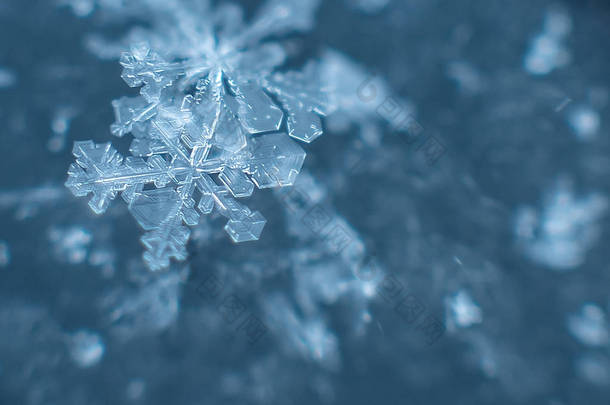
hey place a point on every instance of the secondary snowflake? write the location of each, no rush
(208, 125)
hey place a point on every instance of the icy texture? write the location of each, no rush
(359, 98)
(206, 125)
(330, 265)
(563, 232)
(310, 338)
(355, 93)
(185, 27)
(151, 306)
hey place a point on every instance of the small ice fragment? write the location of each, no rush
(547, 51)
(86, 348)
(70, 244)
(585, 122)
(463, 311)
(560, 235)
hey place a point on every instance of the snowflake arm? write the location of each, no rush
(206, 129)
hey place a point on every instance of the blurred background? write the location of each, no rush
(483, 227)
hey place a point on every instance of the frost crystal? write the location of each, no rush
(208, 125)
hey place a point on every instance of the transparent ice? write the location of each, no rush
(213, 120)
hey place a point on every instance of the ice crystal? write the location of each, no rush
(330, 265)
(150, 304)
(359, 99)
(311, 338)
(208, 125)
(462, 311)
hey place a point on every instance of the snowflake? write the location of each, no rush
(208, 125)
(560, 235)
